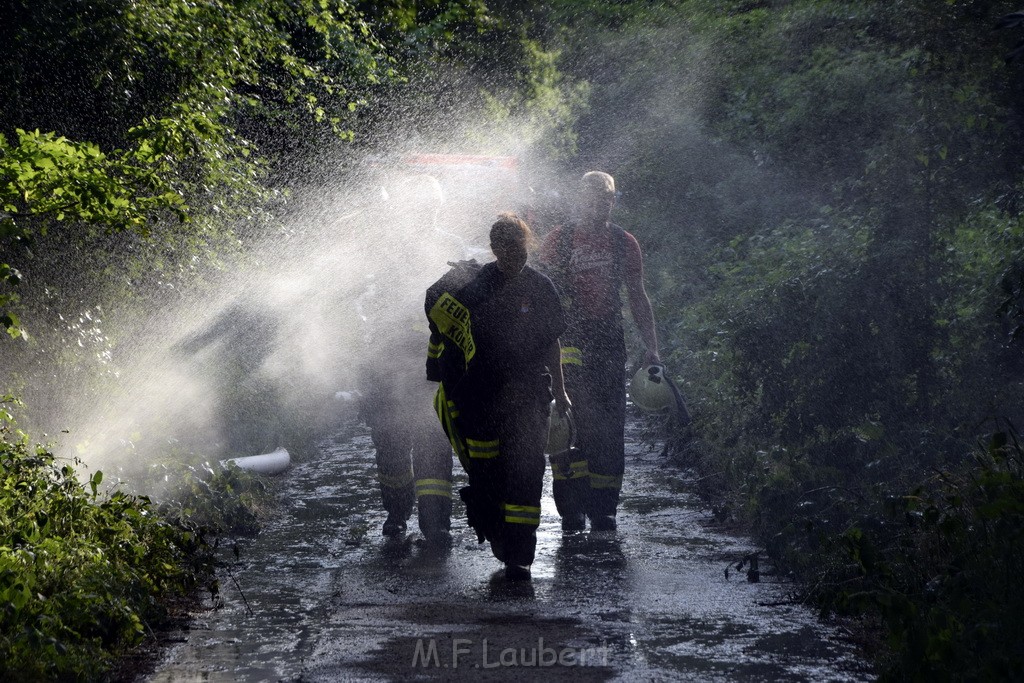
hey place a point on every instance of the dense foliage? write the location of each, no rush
(829, 193)
(149, 103)
(142, 145)
(153, 139)
(83, 575)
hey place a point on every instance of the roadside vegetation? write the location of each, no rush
(145, 147)
(89, 571)
(829, 195)
(83, 576)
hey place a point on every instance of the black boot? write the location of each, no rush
(570, 488)
(574, 522)
(435, 513)
(398, 502)
(601, 507)
(603, 523)
(517, 572)
(394, 525)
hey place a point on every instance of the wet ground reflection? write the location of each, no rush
(330, 599)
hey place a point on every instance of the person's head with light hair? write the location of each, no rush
(597, 197)
(598, 182)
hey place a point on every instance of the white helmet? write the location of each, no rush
(561, 433)
(651, 391)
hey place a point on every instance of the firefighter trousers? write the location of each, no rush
(506, 475)
(590, 480)
(414, 462)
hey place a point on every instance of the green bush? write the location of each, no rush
(942, 569)
(829, 198)
(227, 501)
(83, 575)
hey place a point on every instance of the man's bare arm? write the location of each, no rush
(643, 314)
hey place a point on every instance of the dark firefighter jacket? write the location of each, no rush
(451, 347)
(488, 338)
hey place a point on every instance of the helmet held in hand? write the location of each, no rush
(650, 390)
(560, 431)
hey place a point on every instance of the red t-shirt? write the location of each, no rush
(595, 264)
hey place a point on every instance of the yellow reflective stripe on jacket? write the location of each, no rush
(571, 355)
(604, 481)
(482, 449)
(452, 319)
(446, 414)
(396, 481)
(521, 514)
(573, 470)
(433, 487)
(434, 350)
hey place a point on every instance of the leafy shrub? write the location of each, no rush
(229, 501)
(942, 569)
(834, 189)
(82, 575)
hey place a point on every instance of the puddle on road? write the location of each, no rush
(650, 601)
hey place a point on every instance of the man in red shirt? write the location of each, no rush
(590, 261)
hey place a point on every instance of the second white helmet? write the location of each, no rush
(560, 432)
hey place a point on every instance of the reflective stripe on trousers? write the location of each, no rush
(604, 481)
(433, 487)
(484, 450)
(521, 514)
(571, 355)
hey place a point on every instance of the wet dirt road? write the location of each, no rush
(326, 598)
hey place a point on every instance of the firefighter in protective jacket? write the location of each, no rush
(494, 350)
(414, 461)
